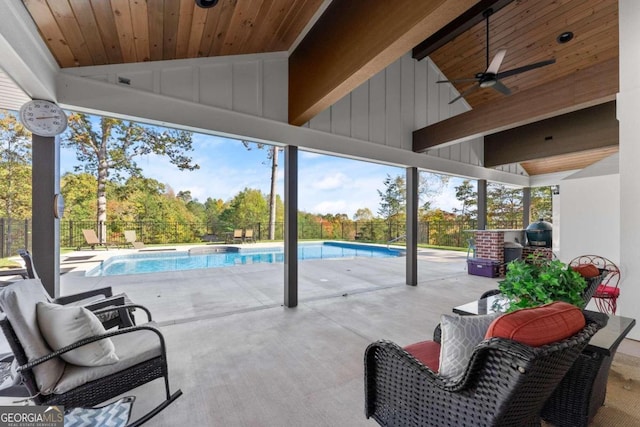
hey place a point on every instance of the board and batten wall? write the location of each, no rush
(384, 110)
(402, 98)
(250, 84)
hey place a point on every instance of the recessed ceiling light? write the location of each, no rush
(565, 37)
(206, 3)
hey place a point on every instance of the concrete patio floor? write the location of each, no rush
(242, 359)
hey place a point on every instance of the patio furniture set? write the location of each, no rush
(482, 367)
(486, 368)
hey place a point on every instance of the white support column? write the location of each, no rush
(628, 105)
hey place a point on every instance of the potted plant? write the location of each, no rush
(536, 281)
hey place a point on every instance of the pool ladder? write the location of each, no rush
(404, 236)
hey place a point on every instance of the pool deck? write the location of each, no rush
(242, 359)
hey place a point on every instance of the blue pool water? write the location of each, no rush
(154, 262)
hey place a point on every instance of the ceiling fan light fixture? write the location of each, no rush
(205, 4)
(565, 37)
(487, 83)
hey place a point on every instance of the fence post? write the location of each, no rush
(321, 229)
(71, 234)
(2, 240)
(26, 234)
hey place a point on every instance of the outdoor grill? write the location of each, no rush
(539, 234)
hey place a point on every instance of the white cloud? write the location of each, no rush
(331, 182)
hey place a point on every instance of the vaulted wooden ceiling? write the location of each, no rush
(528, 30)
(98, 32)
(585, 73)
(355, 39)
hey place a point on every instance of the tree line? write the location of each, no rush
(109, 185)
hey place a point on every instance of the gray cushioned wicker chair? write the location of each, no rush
(506, 383)
(52, 381)
(109, 318)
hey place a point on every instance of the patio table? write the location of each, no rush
(582, 391)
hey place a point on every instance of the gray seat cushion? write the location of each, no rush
(18, 301)
(132, 348)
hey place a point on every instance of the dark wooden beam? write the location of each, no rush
(587, 129)
(456, 27)
(354, 40)
(584, 88)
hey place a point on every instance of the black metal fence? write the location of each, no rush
(17, 233)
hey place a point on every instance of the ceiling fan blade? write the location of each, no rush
(470, 79)
(466, 92)
(501, 88)
(529, 67)
(496, 62)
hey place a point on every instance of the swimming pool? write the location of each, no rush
(154, 262)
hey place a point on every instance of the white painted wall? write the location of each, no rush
(628, 105)
(590, 217)
(403, 97)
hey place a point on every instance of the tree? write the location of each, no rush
(363, 214)
(246, 209)
(504, 205)
(467, 194)
(541, 203)
(105, 145)
(393, 199)
(430, 185)
(272, 155)
(15, 171)
(79, 196)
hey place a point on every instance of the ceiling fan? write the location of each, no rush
(491, 76)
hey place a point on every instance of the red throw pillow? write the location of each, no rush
(428, 352)
(587, 271)
(539, 326)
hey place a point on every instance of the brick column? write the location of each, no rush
(490, 245)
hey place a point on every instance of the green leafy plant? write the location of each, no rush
(536, 281)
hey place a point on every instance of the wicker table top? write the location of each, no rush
(603, 341)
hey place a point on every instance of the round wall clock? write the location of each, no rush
(43, 118)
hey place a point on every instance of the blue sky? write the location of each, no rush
(326, 184)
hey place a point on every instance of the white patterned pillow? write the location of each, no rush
(460, 335)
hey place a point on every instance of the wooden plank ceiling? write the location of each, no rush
(528, 30)
(98, 32)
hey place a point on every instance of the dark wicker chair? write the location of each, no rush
(505, 384)
(148, 356)
(110, 319)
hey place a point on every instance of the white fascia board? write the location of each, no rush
(97, 70)
(548, 179)
(97, 97)
(25, 57)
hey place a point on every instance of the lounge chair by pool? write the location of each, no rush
(131, 238)
(92, 240)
